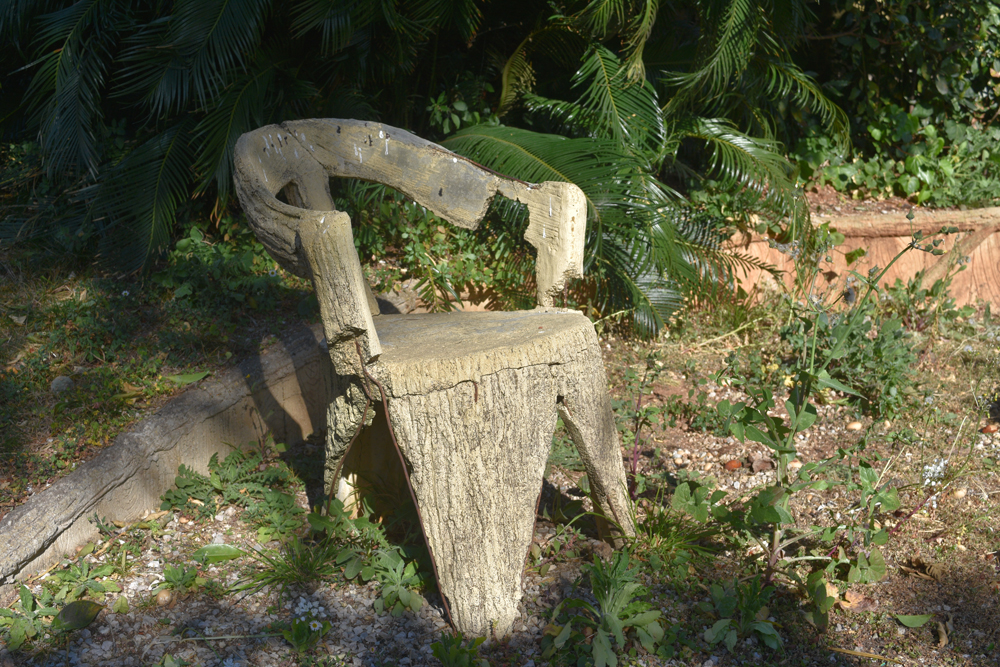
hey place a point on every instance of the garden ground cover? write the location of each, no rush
(938, 448)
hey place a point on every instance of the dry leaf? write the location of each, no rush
(942, 635)
(856, 603)
(989, 428)
(733, 465)
(760, 465)
(18, 319)
(195, 501)
(922, 570)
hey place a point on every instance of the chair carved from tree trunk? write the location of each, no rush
(472, 398)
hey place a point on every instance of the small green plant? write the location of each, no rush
(305, 633)
(79, 579)
(398, 577)
(278, 515)
(582, 633)
(181, 578)
(742, 611)
(26, 620)
(242, 479)
(454, 650)
(231, 269)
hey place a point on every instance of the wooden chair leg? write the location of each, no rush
(476, 456)
(585, 409)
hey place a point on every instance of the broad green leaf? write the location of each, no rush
(914, 621)
(718, 630)
(120, 605)
(644, 618)
(604, 655)
(188, 378)
(353, 567)
(563, 635)
(876, 565)
(731, 638)
(217, 553)
(824, 380)
(76, 615)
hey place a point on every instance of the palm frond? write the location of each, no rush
(65, 91)
(749, 162)
(338, 22)
(633, 20)
(464, 15)
(553, 41)
(628, 234)
(727, 50)
(134, 228)
(611, 106)
(242, 108)
(187, 58)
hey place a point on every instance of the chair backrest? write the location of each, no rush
(308, 235)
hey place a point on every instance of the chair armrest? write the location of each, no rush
(311, 243)
(453, 187)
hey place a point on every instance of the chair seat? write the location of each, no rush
(430, 352)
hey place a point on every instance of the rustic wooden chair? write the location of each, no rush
(471, 398)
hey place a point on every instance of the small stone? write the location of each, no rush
(164, 597)
(854, 426)
(794, 465)
(61, 384)
(959, 493)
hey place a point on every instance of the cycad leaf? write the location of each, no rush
(65, 92)
(136, 226)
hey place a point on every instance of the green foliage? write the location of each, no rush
(305, 633)
(238, 480)
(912, 158)
(875, 358)
(396, 577)
(922, 308)
(25, 620)
(937, 54)
(742, 611)
(454, 650)
(138, 108)
(826, 348)
(181, 578)
(618, 619)
(441, 259)
(79, 579)
(234, 271)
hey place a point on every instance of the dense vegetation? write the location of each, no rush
(119, 118)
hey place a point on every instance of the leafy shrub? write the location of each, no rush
(952, 165)
(875, 357)
(232, 269)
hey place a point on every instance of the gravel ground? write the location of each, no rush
(239, 630)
